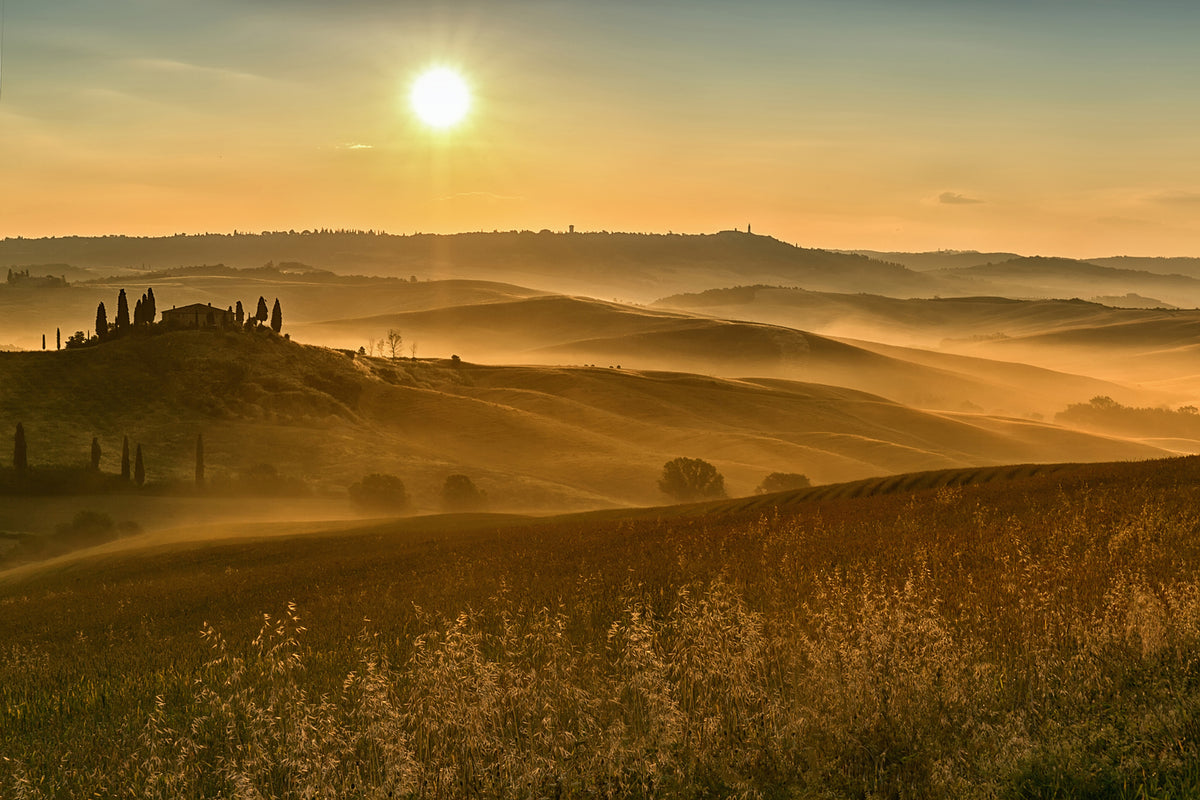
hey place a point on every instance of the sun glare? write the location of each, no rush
(440, 97)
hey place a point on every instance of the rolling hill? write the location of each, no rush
(532, 437)
(557, 329)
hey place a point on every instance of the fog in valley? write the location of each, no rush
(468, 355)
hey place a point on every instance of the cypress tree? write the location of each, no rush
(95, 454)
(20, 459)
(58, 338)
(139, 468)
(199, 460)
(151, 307)
(101, 322)
(137, 313)
(276, 317)
(239, 314)
(125, 459)
(43, 341)
(261, 313)
(122, 313)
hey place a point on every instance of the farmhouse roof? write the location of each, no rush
(192, 308)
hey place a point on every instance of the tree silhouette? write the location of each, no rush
(150, 307)
(459, 493)
(239, 314)
(95, 454)
(687, 479)
(393, 342)
(139, 468)
(125, 458)
(199, 460)
(783, 482)
(20, 455)
(122, 323)
(138, 313)
(58, 338)
(261, 313)
(101, 322)
(276, 317)
(379, 491)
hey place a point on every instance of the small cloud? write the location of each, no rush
(355, 146)
(490, 197)
(166, 65)
(1176, 198)
(956, 199)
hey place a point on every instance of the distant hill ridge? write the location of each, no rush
(601, 264)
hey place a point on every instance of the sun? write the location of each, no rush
(440, 97)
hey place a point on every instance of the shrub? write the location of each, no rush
(783, 482)
(379, 491)
(459, 493)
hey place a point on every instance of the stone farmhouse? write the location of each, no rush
(198, 315)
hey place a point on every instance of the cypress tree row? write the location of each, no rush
(122, 313)
(101, 322)
(125, 459)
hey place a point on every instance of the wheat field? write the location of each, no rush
(1032, 638)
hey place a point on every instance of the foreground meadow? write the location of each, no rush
(1032, 637)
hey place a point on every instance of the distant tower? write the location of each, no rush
(570, 229)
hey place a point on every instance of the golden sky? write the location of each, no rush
(1064, 127)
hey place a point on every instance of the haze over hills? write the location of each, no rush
(633, 266)
(1146, 348)
(533, 437)
(1063, 277)
(555, 330)
(936, 259)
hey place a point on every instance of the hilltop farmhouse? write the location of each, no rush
(198, 315)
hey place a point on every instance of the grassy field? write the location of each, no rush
(1027, 632)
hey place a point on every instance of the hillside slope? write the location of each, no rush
(533, 437)
(557, 329)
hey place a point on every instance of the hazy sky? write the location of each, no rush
(1052, 126)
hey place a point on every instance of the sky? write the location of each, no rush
(1057, 127)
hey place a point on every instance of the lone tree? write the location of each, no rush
(101, 322)
(20, 455)
(125, 458)
(393, 342)
(276, 317)
(139, 468)
(199, 460)
(58, 338)
(122, 324)
(378, 491)
(459, 493)
(783, 482)
(239, 314)
(261, 313)
(95, 454)
(688, 479)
